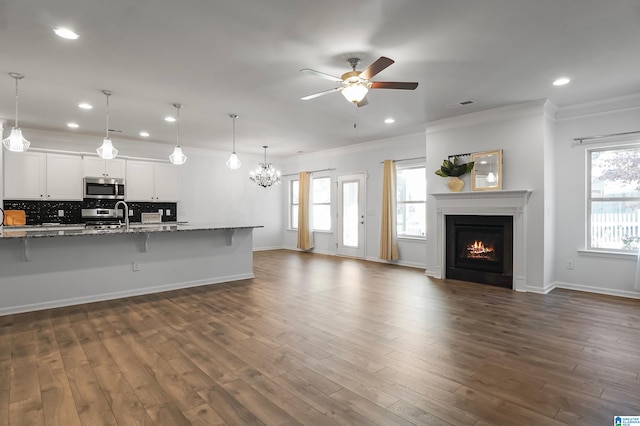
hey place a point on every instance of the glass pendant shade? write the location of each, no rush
(491, 177)
(265, 175)
(107, 150)
(233, 162)
(15, 142)
(177, 157)
(355, 92)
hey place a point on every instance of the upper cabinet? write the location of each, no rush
(149, 181)
(97, 167)
(40, 176)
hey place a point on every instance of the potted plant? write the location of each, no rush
(453, 170)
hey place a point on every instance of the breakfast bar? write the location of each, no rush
(51, 266)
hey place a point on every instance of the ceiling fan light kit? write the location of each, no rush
(356, 84)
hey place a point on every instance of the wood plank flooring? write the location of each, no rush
(320, 340)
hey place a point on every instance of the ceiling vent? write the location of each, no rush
(461, 103)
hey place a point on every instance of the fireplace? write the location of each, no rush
(509, 203)
(480, 249)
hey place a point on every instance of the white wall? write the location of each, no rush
(598, 273)
(210, 192)
(522, 132)
(362, 158)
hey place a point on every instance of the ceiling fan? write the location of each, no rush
(356, 84)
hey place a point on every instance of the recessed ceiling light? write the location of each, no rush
(65, 33)
(73, 125)
(144, 134)
(85, 105)
(170, 119)
(389, 120)
(561, 81)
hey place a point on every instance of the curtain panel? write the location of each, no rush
(305, 233)
(388, 231)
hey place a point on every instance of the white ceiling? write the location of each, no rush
(244, 56)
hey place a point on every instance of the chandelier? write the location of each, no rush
(265, 175)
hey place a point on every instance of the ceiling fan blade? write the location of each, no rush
(393, 85)
(380, 64)
(326, 92)
(363, 102)
(321, 74)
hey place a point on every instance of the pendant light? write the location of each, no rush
(265, 175)
(234, 162)
(178, 158)
(107, 150)
(15, 142)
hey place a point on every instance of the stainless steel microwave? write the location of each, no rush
(104, 188)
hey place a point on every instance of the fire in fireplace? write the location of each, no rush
(480, 249)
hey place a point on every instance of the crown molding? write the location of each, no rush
(600, 107)
(505, 113)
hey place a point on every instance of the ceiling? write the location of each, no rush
(220, 57)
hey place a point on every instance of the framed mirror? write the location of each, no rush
(487, 171)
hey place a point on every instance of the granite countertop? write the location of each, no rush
(58, 230)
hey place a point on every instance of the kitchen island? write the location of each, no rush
(45, 267)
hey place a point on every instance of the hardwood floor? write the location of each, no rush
(319, 340)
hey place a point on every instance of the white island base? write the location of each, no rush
(41, 273)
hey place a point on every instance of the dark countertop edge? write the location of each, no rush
(138, 230)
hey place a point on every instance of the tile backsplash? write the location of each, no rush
(39, 212)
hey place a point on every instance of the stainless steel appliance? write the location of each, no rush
(104, 188)
(102, 218)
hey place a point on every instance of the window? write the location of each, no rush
(613, 198)
(411, 197)
(321, 197)
(294, 191)
(321, 188)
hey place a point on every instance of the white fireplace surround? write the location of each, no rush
(486, 203)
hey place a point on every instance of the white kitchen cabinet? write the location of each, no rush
(149, 181)
(97, 167)
(40, 176)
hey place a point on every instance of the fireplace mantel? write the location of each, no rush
(488, 203)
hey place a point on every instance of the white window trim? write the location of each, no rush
(290, 204)
(413, 165)
(595, 251)
(330, 203)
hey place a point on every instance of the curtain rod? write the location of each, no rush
(405, 159)
(312, 171)
(611, 135)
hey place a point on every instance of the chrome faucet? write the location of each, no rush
(126, 213)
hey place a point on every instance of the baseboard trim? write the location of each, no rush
(399, 262)
(267, 248)
(598, 290)
(121, 294)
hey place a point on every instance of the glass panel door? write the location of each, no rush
(351, 218)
